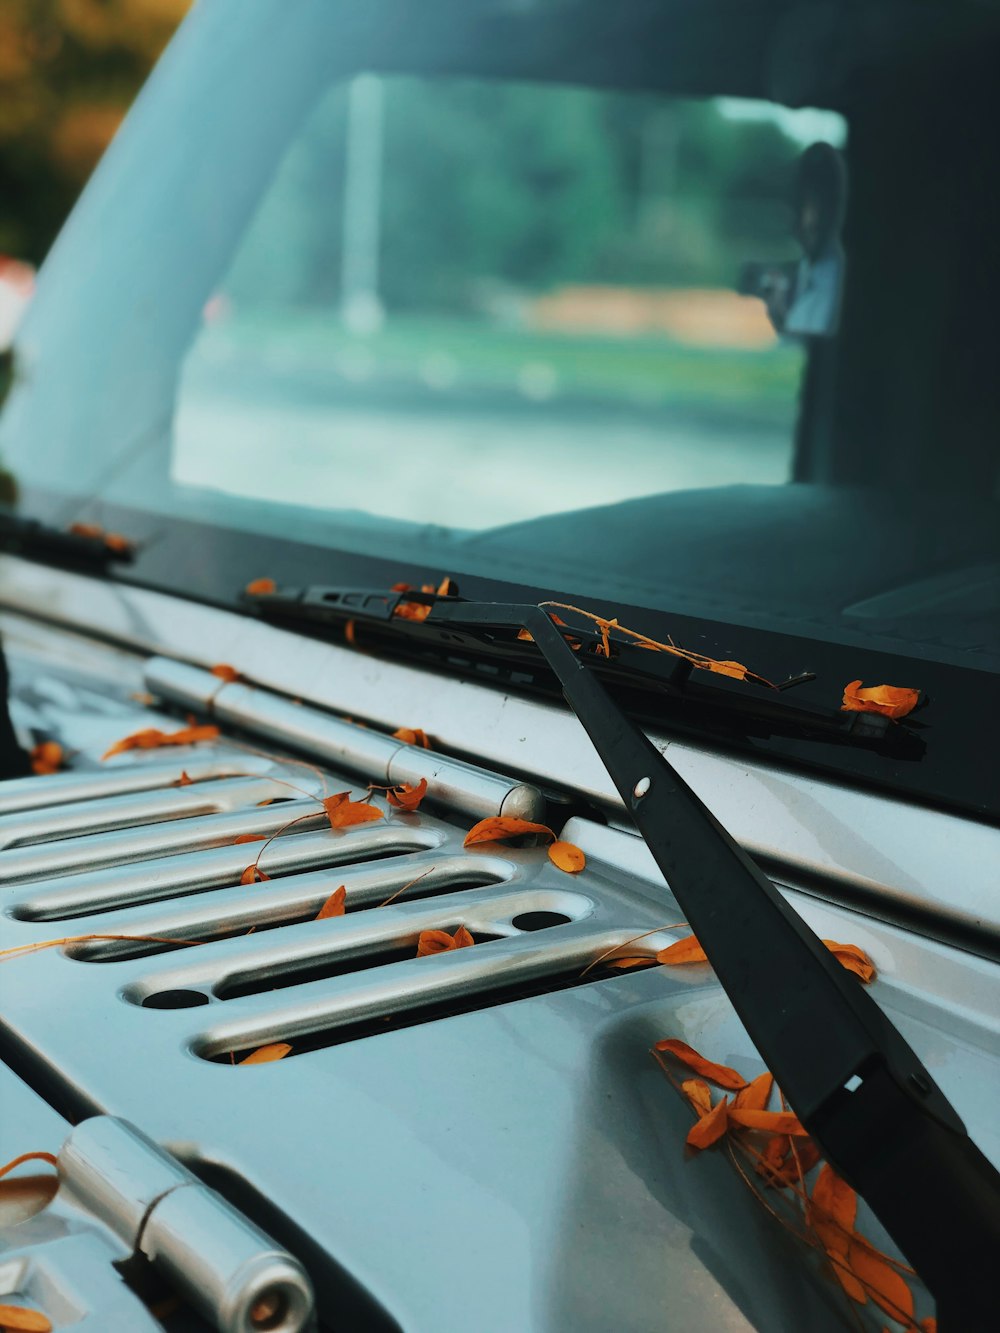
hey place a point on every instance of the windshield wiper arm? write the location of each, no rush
(854, 1082)
(35, 540)
(749, 705)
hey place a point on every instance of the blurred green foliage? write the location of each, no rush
(68, 71)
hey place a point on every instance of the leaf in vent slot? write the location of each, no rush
(406, 796)
(567, 856)
(342, 812)
(226, 672)
(252, 874)
(249, 837)
(152, 738)
(19, 1319)
(335, 905)
(501, 827)
(184, 780)
(687, 950)
(263, 1055)
(412, 736)
(439, 941)
(46, 757)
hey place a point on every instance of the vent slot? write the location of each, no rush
(342, 1005)
(293, 900)
(86, 894)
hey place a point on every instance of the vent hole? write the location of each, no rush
(175, 999)
(539, 920)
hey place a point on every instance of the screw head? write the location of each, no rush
(641, 788)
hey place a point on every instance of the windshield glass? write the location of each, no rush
(476, 293)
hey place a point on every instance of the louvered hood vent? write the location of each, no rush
(142, 877)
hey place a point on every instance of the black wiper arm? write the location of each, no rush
(35, 540)
(856, 1085)
(628, 663)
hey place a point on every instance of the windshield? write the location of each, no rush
(538, 293)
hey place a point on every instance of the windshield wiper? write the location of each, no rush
(496, 650)
(34, 540)
(854, 1082)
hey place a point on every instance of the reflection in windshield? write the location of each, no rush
(470, 303)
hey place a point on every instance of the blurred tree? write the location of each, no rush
(68, 71)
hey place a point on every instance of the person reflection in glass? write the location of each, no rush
(803, 299)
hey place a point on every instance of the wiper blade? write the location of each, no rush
(628, 664)
(87, 548)
(854, 1082)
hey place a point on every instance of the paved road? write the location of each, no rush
(447, 458)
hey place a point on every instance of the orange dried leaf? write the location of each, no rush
(843, 1274)
(928, 1325)
(225, 672)
(406, 796)
(335, 905)
(890, 700)
(832, 1209)
(525, 636)
(501, 827)
(699, 1094)
(152, 738)
(853, 958)
(184, 780)
(412, 736)
(755, 1096)
(881, 1281)
(687, 950)
(624, 964)
(249, 837)
(260, 587)
(567, 856)
(439, 941)
(710, 1128)
(19, 1319)
(720, 1074)
(47, 757)
(770, 1122)
(263, 1055)
(772, 1160)
(252, 874)
(342, 812)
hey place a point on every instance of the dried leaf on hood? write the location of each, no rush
(406, 796)
(152, 738)
(249, 837)
(881, 1281)
(698, 1093)
(501, 827)
(263, 1055)
(335, 905)
(260, 587)
(252, 874)
(687, 950)
(46, 757)
(439, 941)
(755, 1096)
(342, 812)
(715, 1073)
(19, 1319)
(225, 672)
(771, 1122)
(853, 958)
(890, 700)
(567, 856)
(184, 780)
(412, 736)
(711, 1127)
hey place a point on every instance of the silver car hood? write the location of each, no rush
(474, 1140)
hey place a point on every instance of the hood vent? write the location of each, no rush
(141, 875)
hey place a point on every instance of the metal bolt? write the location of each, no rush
(641, 788)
